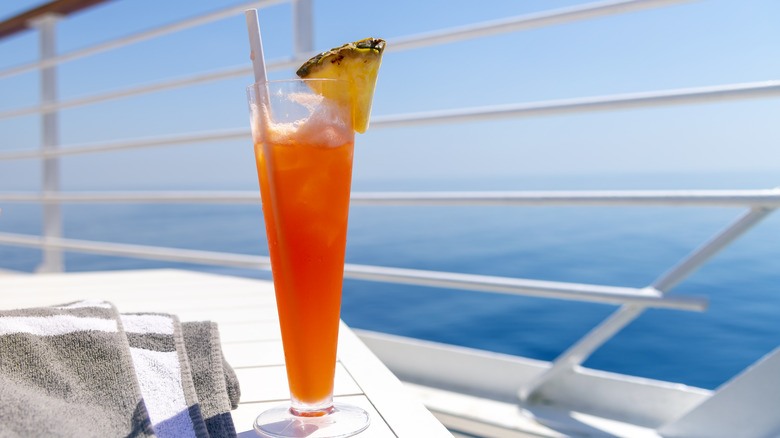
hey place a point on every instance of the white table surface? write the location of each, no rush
(246, 314)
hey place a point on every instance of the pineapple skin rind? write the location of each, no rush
(363, 46)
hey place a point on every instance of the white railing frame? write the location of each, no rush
(575, 355)
(448, 280)
(632, 300)
(765, 198)
(52, 212)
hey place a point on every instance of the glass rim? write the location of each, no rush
(297, 80)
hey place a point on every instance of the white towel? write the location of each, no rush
(161, 365)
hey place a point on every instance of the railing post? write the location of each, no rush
(303, 27)
(52, 213)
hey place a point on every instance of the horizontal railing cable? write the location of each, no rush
(720, 93)
(480, 283)
(138, 37)
(139, 251)
(553, 17)
(179, 82)
(681, 198)
(587, 11)
(769, 198)
(546, 289)
(168, 140)
(711, 94)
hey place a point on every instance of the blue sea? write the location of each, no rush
(619, 246)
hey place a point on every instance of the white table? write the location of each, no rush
(246, 313)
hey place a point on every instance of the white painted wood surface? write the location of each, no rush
(246, 313)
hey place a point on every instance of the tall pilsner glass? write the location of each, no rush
(303, 146)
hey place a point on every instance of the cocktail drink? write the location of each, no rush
(305, 210)
(305, 168)
(304, 136)
(304, 146)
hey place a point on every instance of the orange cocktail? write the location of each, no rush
(305, 211)
(304, 146)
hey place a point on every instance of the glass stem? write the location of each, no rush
(301, 409)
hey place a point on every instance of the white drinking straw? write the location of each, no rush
(258, 65)
(256, 45)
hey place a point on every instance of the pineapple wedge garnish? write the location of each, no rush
(357, 63)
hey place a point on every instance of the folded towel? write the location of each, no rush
(83, 369)
(215, 381)
(67, 371)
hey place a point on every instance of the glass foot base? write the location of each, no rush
(344, 421)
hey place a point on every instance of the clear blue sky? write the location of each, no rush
(693, 44)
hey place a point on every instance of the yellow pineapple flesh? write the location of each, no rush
(357, 63)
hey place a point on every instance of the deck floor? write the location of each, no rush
(246, 314)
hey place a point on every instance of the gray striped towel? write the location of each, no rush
(82, 369)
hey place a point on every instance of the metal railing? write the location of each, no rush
(632, 301)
